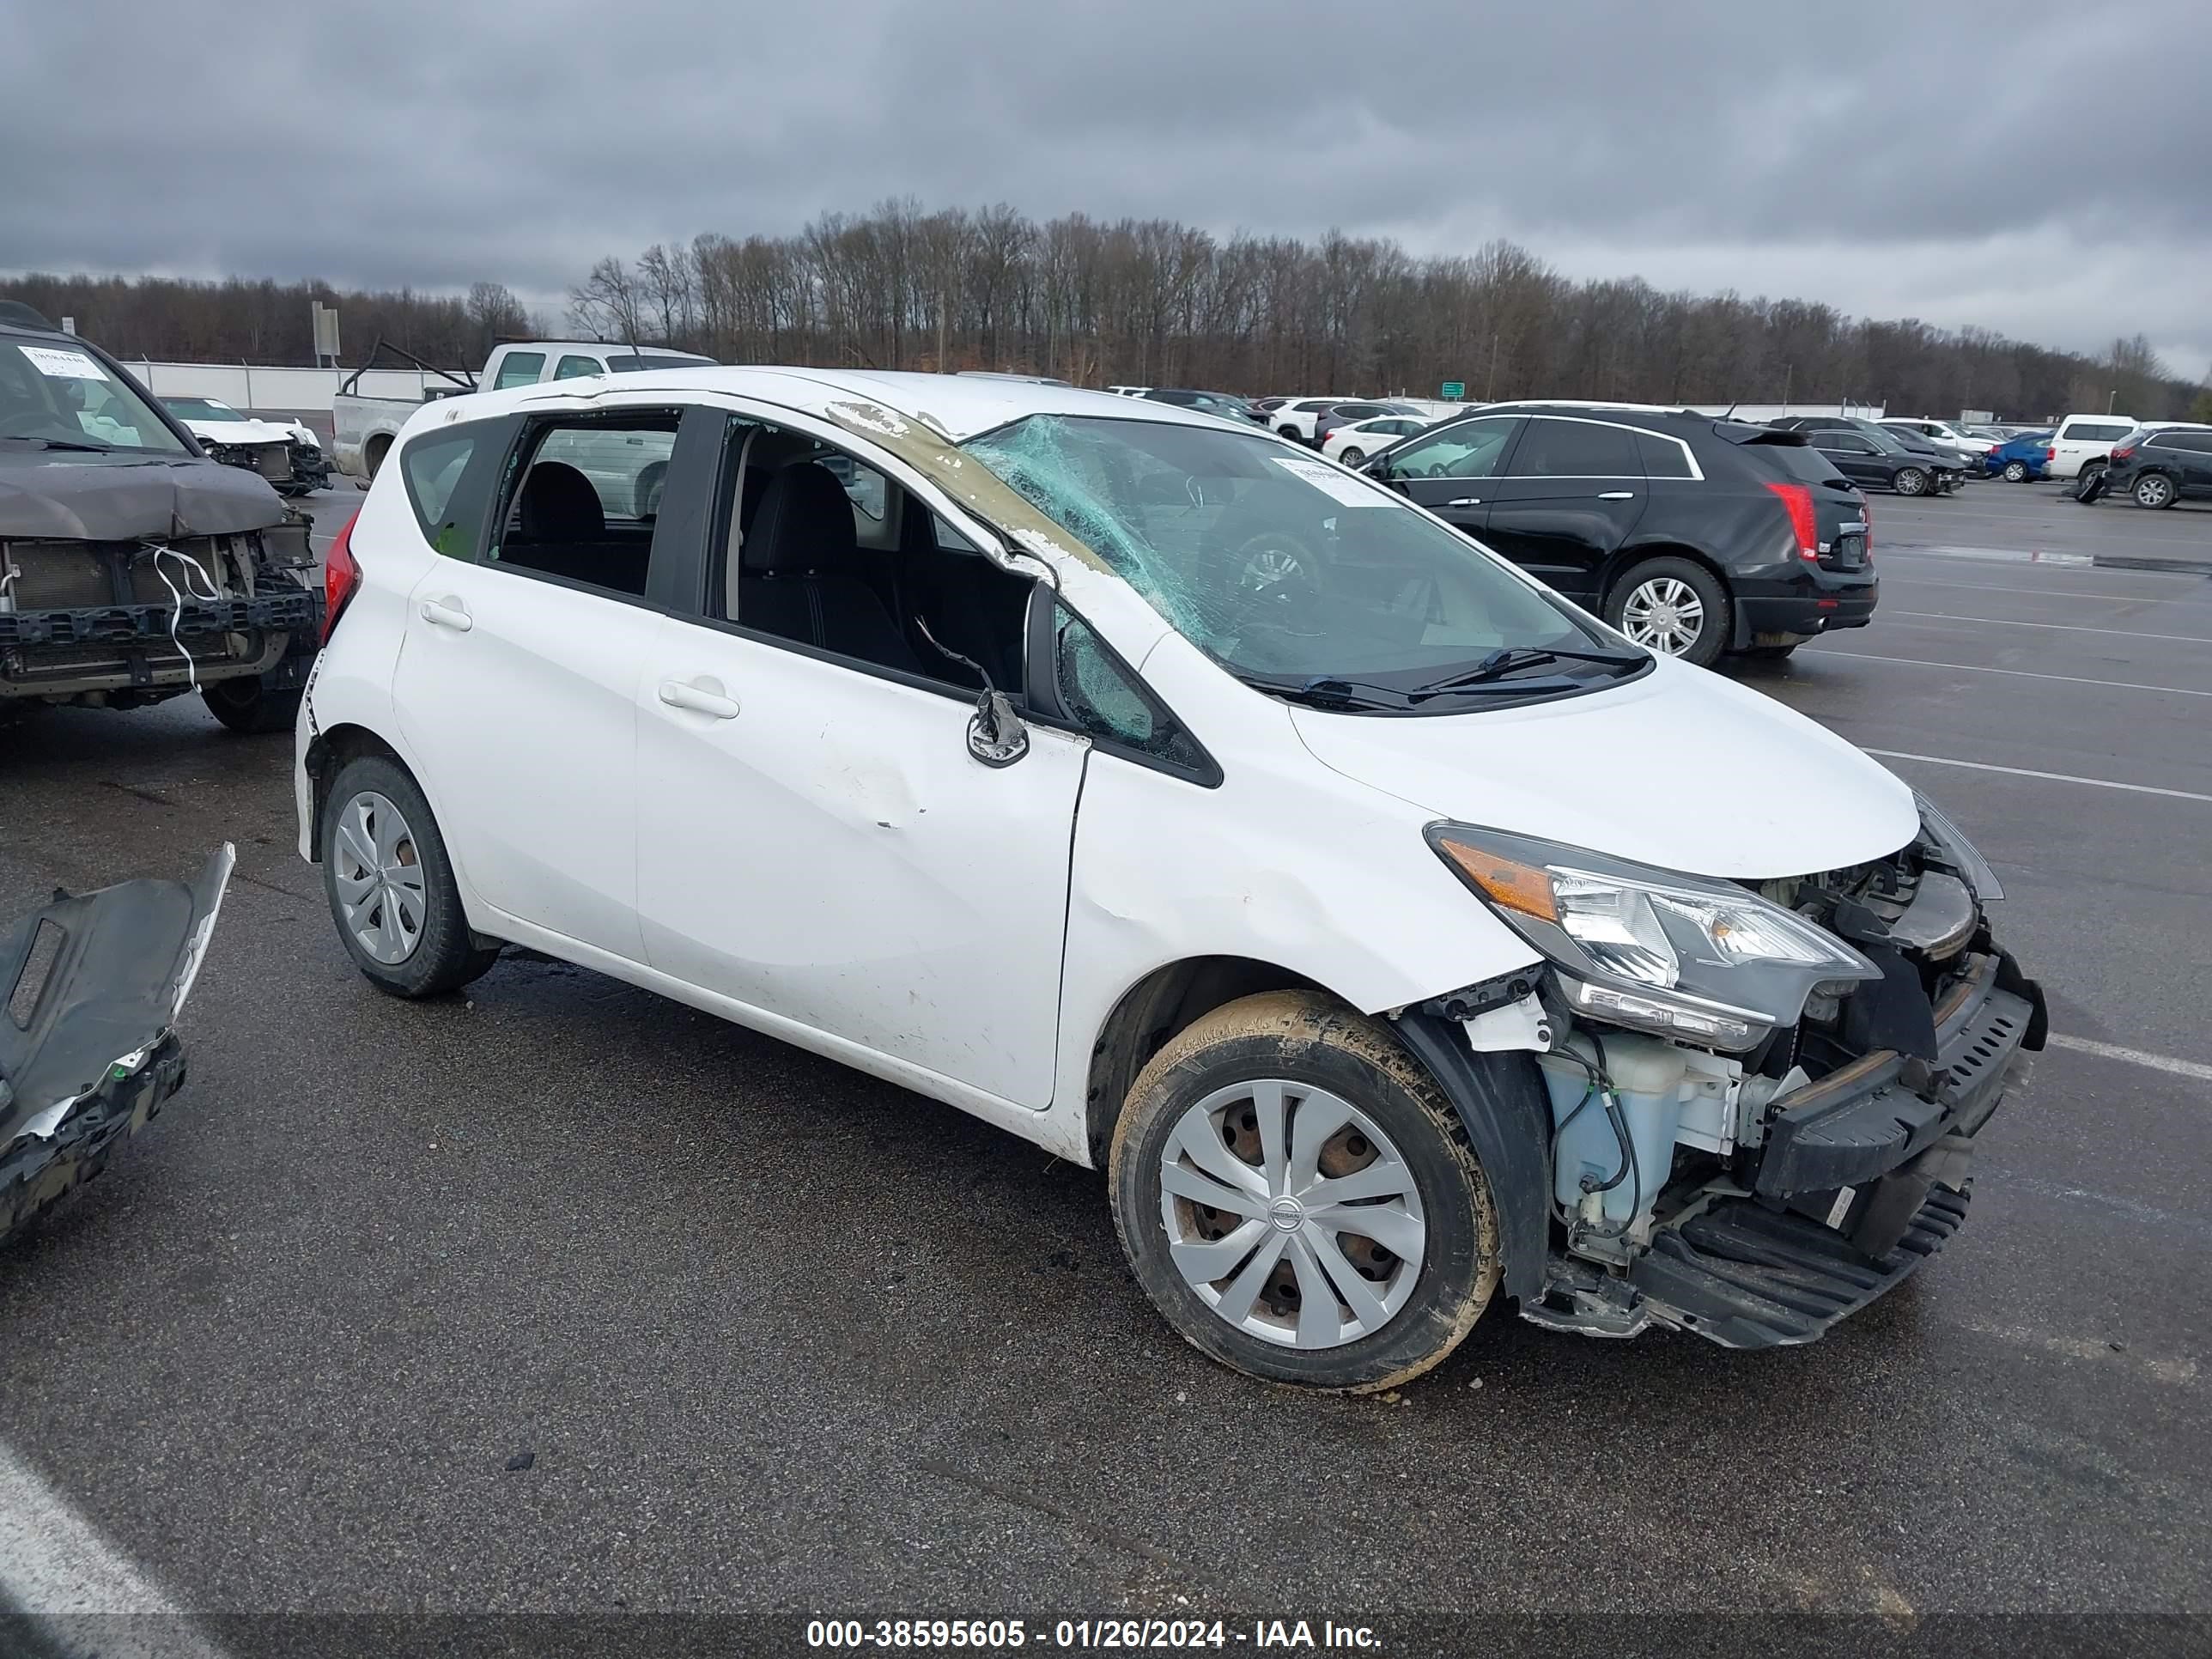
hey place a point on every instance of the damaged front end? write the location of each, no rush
(1756, 1100)
(93, 986)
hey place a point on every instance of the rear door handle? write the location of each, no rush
(455, 616)
(1617, 495)
(1464, 501)
(680, 694)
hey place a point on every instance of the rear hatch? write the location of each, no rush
(1839, 510)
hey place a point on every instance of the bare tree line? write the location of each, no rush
(1157, 302)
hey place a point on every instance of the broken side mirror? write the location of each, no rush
(997, 734)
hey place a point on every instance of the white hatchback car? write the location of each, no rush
(1396, 933)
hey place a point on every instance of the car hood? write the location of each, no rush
(1682, 769)
(239, 432)
(126, 497)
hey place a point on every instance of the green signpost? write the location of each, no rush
(1454, 391)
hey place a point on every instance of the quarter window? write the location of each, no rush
(435, 468)
(520, 368)
(577, 368)
(1662, 458)
(1097, 693)
(1575, 449)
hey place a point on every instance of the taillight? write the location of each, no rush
(2122, 454)
(341, 576)
(2050, 454)
(1797, 501)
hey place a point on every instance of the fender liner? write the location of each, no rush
(1501, 1100)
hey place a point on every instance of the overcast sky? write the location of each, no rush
(2041, 170)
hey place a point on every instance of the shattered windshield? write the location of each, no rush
(1290, 572)
(65, 399)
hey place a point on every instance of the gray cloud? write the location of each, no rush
(2018, 171)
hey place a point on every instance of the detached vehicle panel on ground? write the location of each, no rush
(132, 569)
(1395, 932)
(1694, 535)
(93, 985)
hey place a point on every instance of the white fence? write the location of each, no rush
(247, 386)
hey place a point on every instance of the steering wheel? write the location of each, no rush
(1437, 469)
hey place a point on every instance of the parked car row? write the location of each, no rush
(1874, 455)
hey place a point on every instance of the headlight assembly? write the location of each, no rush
(1689, 956)
(1950, 847)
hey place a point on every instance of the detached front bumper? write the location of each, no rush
(1862, 1177)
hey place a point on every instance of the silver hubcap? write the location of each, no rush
(1271, 566)
(379, 875)
(2016, 472)
(1664, 614)
(1291, 1214)
(2151, 492)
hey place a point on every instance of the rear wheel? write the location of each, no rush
(1350, 456)
(2016, 472)
(1674, 607)
(1910, 481)
(2154, 489)
(390, 885)
(1298, 1197)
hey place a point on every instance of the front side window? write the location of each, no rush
(520, 368)
(62, 397)
(1553, 448)
(1474, 449)
(1293, 576)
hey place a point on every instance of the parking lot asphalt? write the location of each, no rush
(776, 1336)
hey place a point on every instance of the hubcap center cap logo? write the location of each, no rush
(1287, 1213)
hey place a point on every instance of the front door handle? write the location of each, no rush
(706, 699)
(1464, 501)
(1617, 495)
(454, 616)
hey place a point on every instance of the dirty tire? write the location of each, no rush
(446, 956)
(243, 704)
(1304, 1037)
(1910, 481)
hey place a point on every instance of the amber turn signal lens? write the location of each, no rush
(1521, 887)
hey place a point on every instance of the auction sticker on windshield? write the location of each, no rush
(1331, 483)
(62, 365)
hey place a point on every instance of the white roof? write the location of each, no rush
(960, 405)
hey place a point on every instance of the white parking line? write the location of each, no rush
(1910, 580)
(1996, 554)
(2050, 777)
(2069, 628)
(54, 1565)
(2016, 673)
(2188, 1068)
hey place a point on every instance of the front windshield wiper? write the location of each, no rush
(56, 443)
(1329, 692)
(1512, 659)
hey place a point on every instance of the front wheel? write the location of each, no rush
(244, 704)
(2016, 472)
(390, 885)
(1910, 481)
(1674, 607)
(2154, 489)
(1298, 1199)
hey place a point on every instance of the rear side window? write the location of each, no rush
(1575, 449)
(1664, 458)
(2201, 442)
(448, 483)
(577, 368)
(520, 368)
(584, 499)
(2094, 432)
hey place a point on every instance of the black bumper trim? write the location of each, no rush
(1846, 1137)
(34, 1172)
(1745, 1277)
(145, 624)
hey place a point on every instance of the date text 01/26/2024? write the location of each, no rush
(1003, 1635)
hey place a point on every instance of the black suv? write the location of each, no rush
(132, 567)
(2157, 465)
(1869, 453)
(1692, 536)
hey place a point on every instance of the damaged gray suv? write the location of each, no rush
(132, 567)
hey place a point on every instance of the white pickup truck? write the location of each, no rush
(365, 427)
